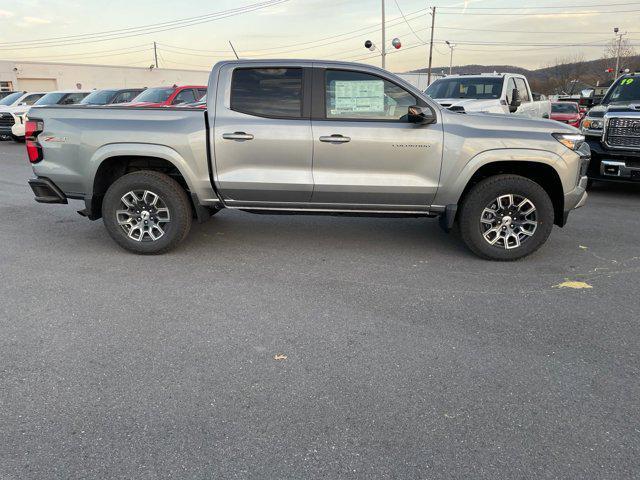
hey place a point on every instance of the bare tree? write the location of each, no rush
(626, 52)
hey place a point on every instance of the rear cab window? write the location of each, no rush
(268, 92)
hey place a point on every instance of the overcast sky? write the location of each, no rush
(333, 29)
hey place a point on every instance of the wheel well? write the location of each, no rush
(542, 174)
(115, 167)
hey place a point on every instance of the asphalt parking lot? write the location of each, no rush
(406, 356)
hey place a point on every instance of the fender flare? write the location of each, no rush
(486, 157)
(104, 153)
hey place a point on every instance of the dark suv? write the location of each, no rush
(612, 129)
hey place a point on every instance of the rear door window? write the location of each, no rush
(127, 96)
(31, 99)
(267, 92)
(185, 96)
(72, 98)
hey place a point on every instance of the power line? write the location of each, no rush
(137, 31)
(608, 12)
(407, 22)
(545, 7)
(390, 23)
(565, 32)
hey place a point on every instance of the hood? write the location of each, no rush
(565, 116)
(618, 107)
(140, 104)
(15, 108)
(469, 104)
(510, 123)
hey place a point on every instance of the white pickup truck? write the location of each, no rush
(507, 93)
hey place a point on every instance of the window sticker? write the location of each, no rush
(358, 96)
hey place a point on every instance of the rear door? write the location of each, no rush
(262, 135)
(366, 153)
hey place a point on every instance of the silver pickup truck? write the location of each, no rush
(309, 137)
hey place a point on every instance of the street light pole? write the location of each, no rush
(384, 40)
(451, 46)
(619, 37)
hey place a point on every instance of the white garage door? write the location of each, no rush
(37, 84)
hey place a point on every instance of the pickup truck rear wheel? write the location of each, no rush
(147, 212)
(506, 217)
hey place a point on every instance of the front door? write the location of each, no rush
(366, 153)
(262, 136)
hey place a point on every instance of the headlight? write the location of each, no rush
(591, 124)
(570, 140)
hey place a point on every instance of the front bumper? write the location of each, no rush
(575, 199)
(46, 191)
(613, 165)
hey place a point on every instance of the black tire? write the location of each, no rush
(482, 195)
(590, 183)
(172, 196)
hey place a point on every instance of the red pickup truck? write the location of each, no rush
(168, 96)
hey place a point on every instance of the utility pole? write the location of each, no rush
(384, 40)
(451, 46)
(155, 53)
(619, 36)
(433, 22)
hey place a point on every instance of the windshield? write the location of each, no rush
(50, 99)
(474, 87)
(9, 99)
(564, 108)
(154, 95)
(626, 90)
(100, 97)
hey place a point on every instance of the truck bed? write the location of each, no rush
(86, 135)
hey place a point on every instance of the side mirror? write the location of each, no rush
(420, 115)
(515, 100)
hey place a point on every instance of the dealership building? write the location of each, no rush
(42, 76)
(46, 77)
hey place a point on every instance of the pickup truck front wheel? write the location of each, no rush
(506, 217)
(147, 212)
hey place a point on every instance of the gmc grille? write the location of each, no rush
(6, 120)
(623, 133)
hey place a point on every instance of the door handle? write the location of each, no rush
(335, 139)
(237, 136)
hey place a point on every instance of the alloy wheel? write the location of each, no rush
(509, 221)
(143, 215)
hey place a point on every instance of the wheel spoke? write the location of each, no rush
(150, 198)
(153, 229)
(142, 215)
(163, 215)
(516, 241)
(508, 221)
